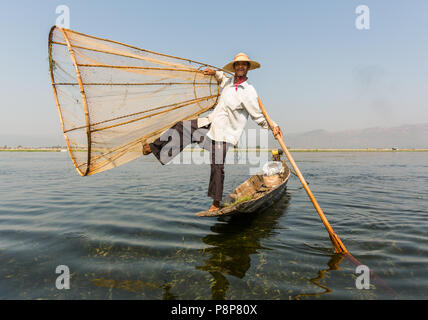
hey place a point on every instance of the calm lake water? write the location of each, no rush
(132, 233)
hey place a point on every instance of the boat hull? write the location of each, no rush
(261, 196)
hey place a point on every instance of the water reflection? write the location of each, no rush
(333, 264)
(234, 240)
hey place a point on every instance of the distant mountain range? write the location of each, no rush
(406, 136)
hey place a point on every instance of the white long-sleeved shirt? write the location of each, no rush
(230, 116)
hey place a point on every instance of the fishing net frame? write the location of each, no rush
(107, 122)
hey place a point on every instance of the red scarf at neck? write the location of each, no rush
(238, 80)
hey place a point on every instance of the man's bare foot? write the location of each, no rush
(215, 206)
(146, 149)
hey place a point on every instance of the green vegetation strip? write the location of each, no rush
(239, 200)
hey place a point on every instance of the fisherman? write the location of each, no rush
(221, 128)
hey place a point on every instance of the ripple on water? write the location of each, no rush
(129, 234)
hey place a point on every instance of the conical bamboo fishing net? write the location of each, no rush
(112, 97)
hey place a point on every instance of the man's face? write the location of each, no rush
(241, 68)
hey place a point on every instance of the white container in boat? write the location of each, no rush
(271, 172)
(272, 167)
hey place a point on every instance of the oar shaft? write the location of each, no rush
(337, 243)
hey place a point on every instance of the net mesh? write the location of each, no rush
(112, 98)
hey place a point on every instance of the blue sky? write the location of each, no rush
(318, 70)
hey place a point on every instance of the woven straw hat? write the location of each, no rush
(241, 57)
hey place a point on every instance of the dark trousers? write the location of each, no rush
(183, 133)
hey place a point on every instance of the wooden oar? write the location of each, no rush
(337, 243)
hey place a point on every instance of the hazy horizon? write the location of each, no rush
(312, 135)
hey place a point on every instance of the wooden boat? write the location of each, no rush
(252, 195)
